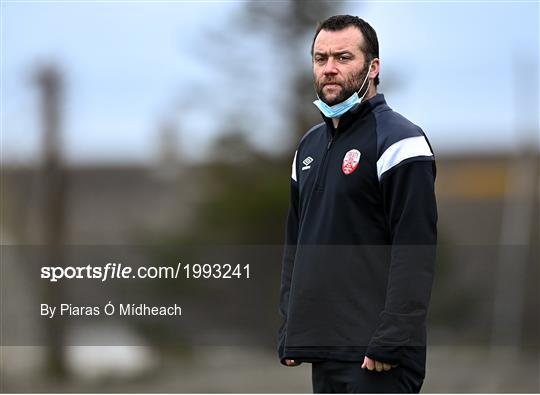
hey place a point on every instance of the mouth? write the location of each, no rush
(331, 85)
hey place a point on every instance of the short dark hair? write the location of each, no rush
(340, 22)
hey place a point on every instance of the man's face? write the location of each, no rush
(338, 64)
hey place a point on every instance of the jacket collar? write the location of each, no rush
(355, 113)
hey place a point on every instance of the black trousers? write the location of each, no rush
(349, 377)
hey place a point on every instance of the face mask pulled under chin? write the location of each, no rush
(337, 110)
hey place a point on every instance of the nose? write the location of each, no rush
(330, 67)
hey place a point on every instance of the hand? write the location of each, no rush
(292, 362)
(378, 366)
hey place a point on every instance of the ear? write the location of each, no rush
(375, 68)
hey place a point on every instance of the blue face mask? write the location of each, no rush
(337, 110)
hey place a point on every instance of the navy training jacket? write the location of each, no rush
(361, 234)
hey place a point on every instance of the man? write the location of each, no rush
(361, 230)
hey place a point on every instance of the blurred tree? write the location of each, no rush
(248, 197)
(246, 190)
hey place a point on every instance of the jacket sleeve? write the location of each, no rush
(289, 252)
(409, 202)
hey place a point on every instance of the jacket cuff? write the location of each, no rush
(281, 345)
(387, 354)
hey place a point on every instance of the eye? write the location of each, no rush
(343, 58)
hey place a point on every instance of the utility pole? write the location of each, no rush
(168, 162)
(53, 181)
(518, 224)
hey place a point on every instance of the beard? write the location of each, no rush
(351, 84)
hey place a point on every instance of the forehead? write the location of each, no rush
(349, 39)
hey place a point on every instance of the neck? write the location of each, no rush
(369, 94)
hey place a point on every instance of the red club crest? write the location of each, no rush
(350, 161)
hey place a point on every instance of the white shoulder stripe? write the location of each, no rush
(401, 150)
(293, 173)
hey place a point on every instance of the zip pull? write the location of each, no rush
(330, 143)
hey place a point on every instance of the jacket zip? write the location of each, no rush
(319, 185)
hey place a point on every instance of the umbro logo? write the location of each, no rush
(307, 163)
